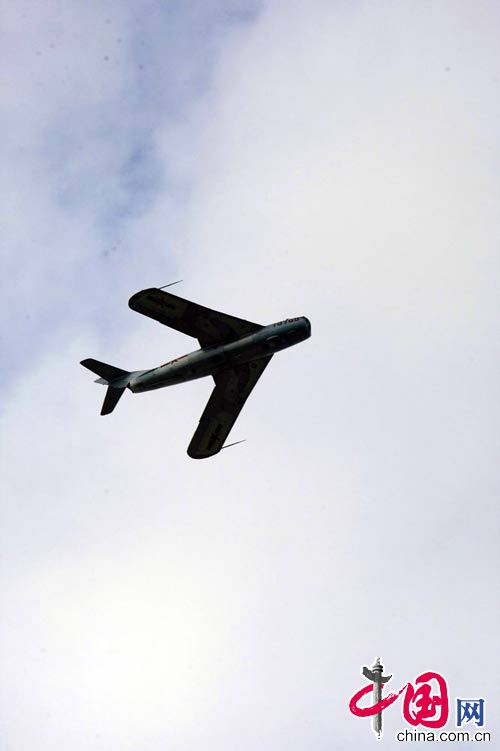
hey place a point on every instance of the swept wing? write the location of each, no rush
(206, 325)
(232, 389)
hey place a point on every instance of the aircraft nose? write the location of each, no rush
(308, 325)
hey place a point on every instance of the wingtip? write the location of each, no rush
(193, 454)
(136, 296)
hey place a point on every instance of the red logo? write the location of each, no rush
(424, 704)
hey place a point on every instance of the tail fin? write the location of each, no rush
(111, 399)
(116, 378)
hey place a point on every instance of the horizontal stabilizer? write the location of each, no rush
(111, 399)
(108, 372)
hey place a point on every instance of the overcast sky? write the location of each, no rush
(326, 158)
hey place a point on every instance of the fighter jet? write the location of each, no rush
(233, 351)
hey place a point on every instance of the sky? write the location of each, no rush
(337, 160)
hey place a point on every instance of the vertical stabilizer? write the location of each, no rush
(111, 399)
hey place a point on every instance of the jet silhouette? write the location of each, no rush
(233, 351)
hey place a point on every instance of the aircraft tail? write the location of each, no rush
(111, 399)
(115, 378)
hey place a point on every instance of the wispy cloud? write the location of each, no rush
(86, 91)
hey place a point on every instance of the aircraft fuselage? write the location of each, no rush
(219, 357)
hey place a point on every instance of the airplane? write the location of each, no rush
(233, 351)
